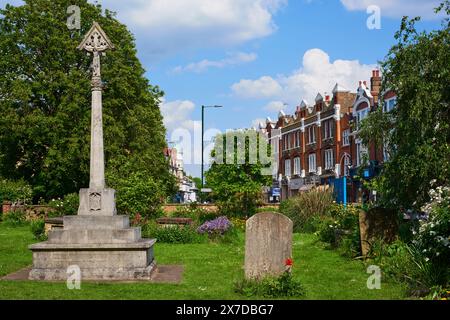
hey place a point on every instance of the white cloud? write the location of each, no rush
(169, 26)
(232, 60)
(276, 106)
(177, 114)
(397, 8)
(317, 74)
(264, 87)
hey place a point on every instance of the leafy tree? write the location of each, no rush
(15, 191)
(417, 131)
(237, 173)
(45, 101)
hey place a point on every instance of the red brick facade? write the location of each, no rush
(320, 141)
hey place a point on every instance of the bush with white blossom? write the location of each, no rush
(433, 236)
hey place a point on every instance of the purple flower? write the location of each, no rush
(216, 226)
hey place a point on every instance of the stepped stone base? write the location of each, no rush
(103, 247)
(131, 261)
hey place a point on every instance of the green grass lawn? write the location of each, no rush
(210, 270)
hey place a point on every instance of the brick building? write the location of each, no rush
(320, 143)
(367, 159)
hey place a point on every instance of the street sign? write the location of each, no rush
(206, 190)
(276, 192)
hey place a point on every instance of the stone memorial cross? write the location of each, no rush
(97, 199)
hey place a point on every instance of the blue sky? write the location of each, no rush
(253, 56)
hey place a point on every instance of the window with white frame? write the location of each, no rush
(360, 116)
(311, 135)
(312, 162)
(346, 137)
(297, 139)
(328, 129)
(361, 153)
(347, 164)
(329, 159)
(389, 104)
(288, 137)
(287, 168)
(297, 166)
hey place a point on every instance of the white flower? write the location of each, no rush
(427, 259)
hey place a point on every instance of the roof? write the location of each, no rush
(339, 88)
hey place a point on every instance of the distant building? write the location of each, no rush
(187, 191)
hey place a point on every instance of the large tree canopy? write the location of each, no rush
(45, 101)
(417, 132)
(239, 171)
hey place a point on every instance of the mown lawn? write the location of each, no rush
(210, 270)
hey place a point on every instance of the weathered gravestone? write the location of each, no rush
(98, 241)
(268, 244)
(377, 224)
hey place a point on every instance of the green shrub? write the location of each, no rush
(38, 229)
(68, 206)
(340, 228)
(240, 204)
(139, 193)
(15, 191)
(433, 235)
(304, 209)
(239, 223)
(407, 264)
(271, 287)
(15, 218)
(196, 213)
(230, 237)
(268, 209)
(406, 230)
(175, 234)
(327, 230)
(350, 245)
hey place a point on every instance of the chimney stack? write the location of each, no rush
(375, 84)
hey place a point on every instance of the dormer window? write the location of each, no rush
(362, 112)
(389, 104)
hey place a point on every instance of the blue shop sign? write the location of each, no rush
(276, 192)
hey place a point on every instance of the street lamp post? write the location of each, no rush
(203, 140)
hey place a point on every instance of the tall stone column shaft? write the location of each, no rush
(97, 169)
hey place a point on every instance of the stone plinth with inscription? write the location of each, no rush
(97, 240)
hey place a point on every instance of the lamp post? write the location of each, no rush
(203, 140)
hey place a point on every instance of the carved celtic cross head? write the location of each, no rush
(96, 40)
